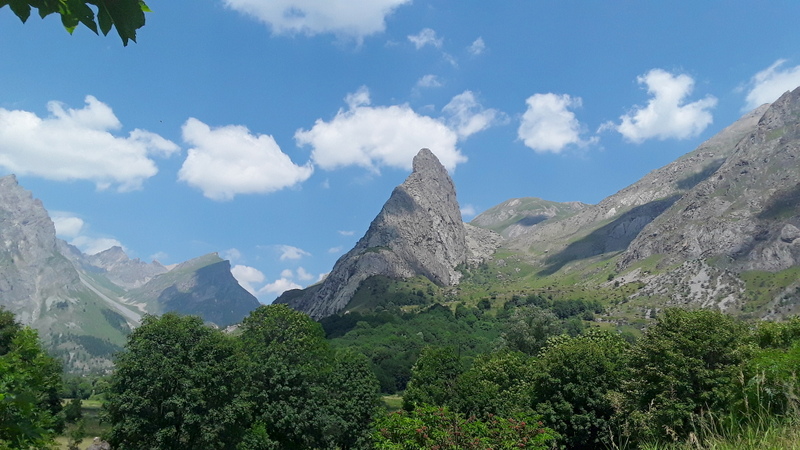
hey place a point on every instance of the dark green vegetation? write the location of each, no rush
(694, 375)
(30, 408)
(126, 16)
(276, 384)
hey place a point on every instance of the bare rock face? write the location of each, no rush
(33, 274)
(747, 214)
(419, 231)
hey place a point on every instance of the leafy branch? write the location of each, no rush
(126, 16)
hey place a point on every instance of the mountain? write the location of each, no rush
(418, 232)
(85, 305)
(718, 227)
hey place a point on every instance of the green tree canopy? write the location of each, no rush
(176, 386)
(572, 380)
(682, 366)
(30, 381)
(126, 16)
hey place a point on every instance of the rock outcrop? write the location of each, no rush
(419, 231)
(611, 225)
(83, 305)
(747, 214)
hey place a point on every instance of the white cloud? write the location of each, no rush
(67, 225)
(429, 81)
(548, 125)
(287, 273)
(335, 249)
(354, 18)
(303, 275)
(94, 245)
(468, 211)
(426, 37)
(247, 276)
(232, 254)
(769, 84)
(159, 256)
(346, 232)
(78, 233)
(279, 286)
(229, 160)
(468, 117)
(477, 47)
(376, 136)
(666, 116)
(289, 252)
(77, 144)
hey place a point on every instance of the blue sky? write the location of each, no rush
(272, 131)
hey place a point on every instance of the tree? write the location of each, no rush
(286, 361)
(433, 378)
(529, 327)
(126, 16)
(433, 427)
(682, 366)
(498, 383)
(352, 402)
(176, 386)
(29, 384)
(571, 385)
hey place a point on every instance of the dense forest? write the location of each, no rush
(531, 374)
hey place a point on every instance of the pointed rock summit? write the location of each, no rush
(419, 231)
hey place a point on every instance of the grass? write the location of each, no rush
(92, 425)
(392, 402)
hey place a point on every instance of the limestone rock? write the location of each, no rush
(419, 231)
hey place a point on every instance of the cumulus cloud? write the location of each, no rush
(232, 254)
(477, 47)
(159, 256)
(279, 286)
(290, 252)
(548, 125)
(93, 245)
(77, 144)
(303, 275)
(426, 37)
(467, 116)
(769, 84)
(346, 232)
(67, 225)
(247, 276)
(354, 18)
(335, 249)
(78, 233)
(666, 115)
(429, 81)
(377, 136)
(468, 211)
(230, 160)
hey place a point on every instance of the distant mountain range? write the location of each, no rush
(85, 305)
(719, 227)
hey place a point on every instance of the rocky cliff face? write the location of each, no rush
(611, 225)
(419, 231)
(83, 305)
(203, 286)
(747, 214)
(123, 271)
(33, 274)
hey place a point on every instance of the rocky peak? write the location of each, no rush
(419, 231)
(123, 271)
(747, 211)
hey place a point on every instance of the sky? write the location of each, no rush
(273, 131)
